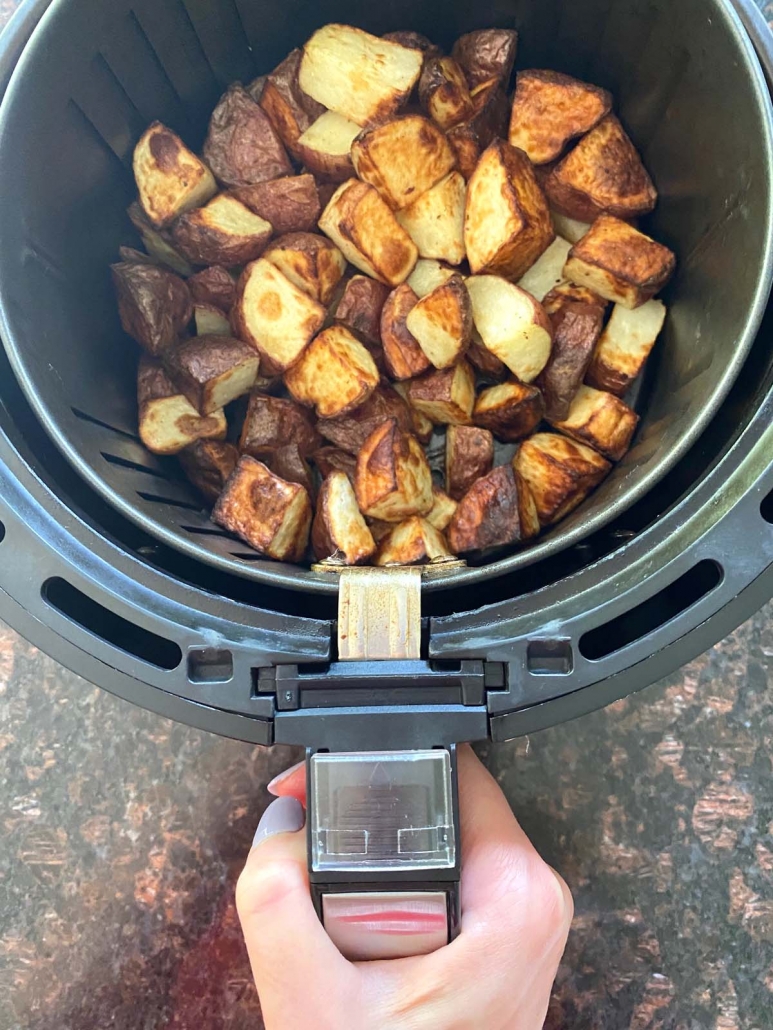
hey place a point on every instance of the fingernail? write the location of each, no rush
(285, 815)
(283, 775)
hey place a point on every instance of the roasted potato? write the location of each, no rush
(491, 113)
(158, 242)
(225, 232)
(335, 374)
(365, 230)
(603, 174)
(210, 321)
(444, 93)
(620, 263)
(170, 178)
(441, 322)
(359, 76)
(325, 147)
(601, 420)
(625, 346)
(242, 146)
(213, 285)
(511, 411)
(567, 293)
(168, 422)
(275, 422)
(435, 221)
(487, 365)
(130, 256)
(512, 324)
(466, 146)
(560, 472)
(442, 510)
(412, 40)
(256, 87)
(427, 275)
(548, 272)
(333, 459)
(274, 315)
(289, 109)
(469, 455)
(271, 515)
(486, 54)
(208, 464)
(421, 426)
(445, 397)
(576, 329)
(403, 357)
(154, 305)
(339, 529)
(212, 371)
(289, 464)
(489, 515)
(402, 158)
(413, 542)
(360, 308)
(550, 109)
(311, 262)
(393, 479)
(507, 224)
(351, 431)
(290, 204)
(569, 228)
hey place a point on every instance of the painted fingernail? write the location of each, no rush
(285, 815)
(283, 776)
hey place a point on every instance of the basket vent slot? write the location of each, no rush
(766, 508)
(210, 665)
(85, 417)
(549, 657)
(2, 532)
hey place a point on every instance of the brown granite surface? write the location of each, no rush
(122, 835)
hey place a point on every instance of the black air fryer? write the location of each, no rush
(109, 563)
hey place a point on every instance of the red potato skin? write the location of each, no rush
(360, 308)
(290, 464)
(469, 455)
(275, 422)
(403, 357)
(488, 515)
(290, 204)
(208, 464)
(214, 285)
(576, 329)
(154, 305)
(242, 146)
(349, 433)
(290, 110)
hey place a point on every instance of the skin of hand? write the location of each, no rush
(497, 974)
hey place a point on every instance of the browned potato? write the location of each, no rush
(441, 322)
(208, 464)
(351, 431)
(242, 145)
(290, 110)
(491, 113)
(333, 459)
(507, 223)
(444, 93)
(469, 455)
(402, 158)
(403, 357)
(289, 464)
(603, 173)
(136, 257)
(365, 230)
(210, 321)
(567, 293)
(170, 178)
(154, 305)
(413, 542)
(410, 39)
(272, 314)
(445, 397)
(620, 263)
(325, 147)
(427, 275)
(486, 54)
(213, 285)
(547, 273)
(225, 232)
(511, 411)
(339, 528)
(290, 204)
(560, 472)
(485, 363)
(625, 346)
(600, 420)
(570, 228)
(442, 510)
(489, 515)
(335, 374)
(168, 422)
(360, 308)
(256, 87)
(273, 516)
(313, 263)
(158, 242)
(576, 329)
(212, 371)
(466, 146)
(435, 221)
(550, 109)
(512, 324)
(421, 426)
(274, 422)
(379, 529)
(393, 480)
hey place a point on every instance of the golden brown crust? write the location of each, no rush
(335, 374)
(360, 308)
(488, 515)
(441, 323)
(413, 542)
(491, 113)
(170, 178)
(560, 473)
(167, 420)
(207, 464)
(214, 285)
(486, 54)
(274, 422)
(242, 146)
(290, 110)
(511, 411)
(446, 396)
(310, 261)
(158, 242)
(403, 357)
(411, 40)
(444, 93)
(154, 305)
(568, 293)
(333, 459)
(466, 147)
(576, 330)
(225, 232)
(435, 220)
(393, 480)
(197, 366)
(600, 420)
(624, 346)
(350, 432)
(422, 427)
(512, 324)
(339, 528)
(442, 510)
(469, 455)
(290, 204)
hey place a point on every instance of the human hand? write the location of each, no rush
(497, 974)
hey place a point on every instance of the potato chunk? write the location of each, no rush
(325, 147)
(435, 221)
(242, 145)
(402, 158)
(311, 262)
(212, 371)
(444, 93)
(158, 242)
(365, 230)
(350, 432)
(168, 422)
(290, 204)
(625, 346)
(567, 293)
(289, 109)
(339, 528)
(511, 411)
(600, 420)
(445, 397)
(489, 515)
(403, 357)
(214, 285)
(560, 472)
(442, 510)
(441, 322)
(413, 542)
(170, 178)
(427, 275)
(486, 364)
(466, 145)
(274, 315)
(576, 329)
(393, 480)
(620, 263)
(335, 374)
(422, 427)
(271, 515)
(486, 54)
(570, 228)
(289, 464)
(507, 224)
(469, 455)
(210, 321)
(154, 305)
(363, 78)
(360, 308)
(208, 464)
(333, 459)
(274, 422)
(548, 272)
(225, 232)
(550, 109)
(512, 324)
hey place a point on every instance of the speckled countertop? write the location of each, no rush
(122, 836)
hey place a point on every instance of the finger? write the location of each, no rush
(290, 783)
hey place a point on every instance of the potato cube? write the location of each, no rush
(210, 321)
(442, 510)
(333, 459)
(290, 204)
(403, 357)
(339, 529)
(215, 286)
(325, 147)
(511, 411)
(402, 158)
(313, 263)
(512, 324)
(488, 515)
(413, 542)
(289, 464)
(421, 426)
(576, 329)
(274, 315)
(170, 178)
(465, 143)
(569, 228)
(351, 431)
(435, 221)
(427, 275)
(603, 173)
(289, 109)
(548, 272)
(335, 374)
(441, 322)
(625, 346)
(168, 422)
(363, 78)
(154, 305)
(486, 54)
(567, 293)
(445, 397)
(507, 224)
(208, 464)
(600, 420)
(444, 93)
(487, 365)
(491, 113)
(365, 230)
(242, 146)
(225, 232)
(212, 371)
(393, 480)
(560, 472)
(275, 422)
(361, 306)
(469, 455)
(271, 515)
(158, 242)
